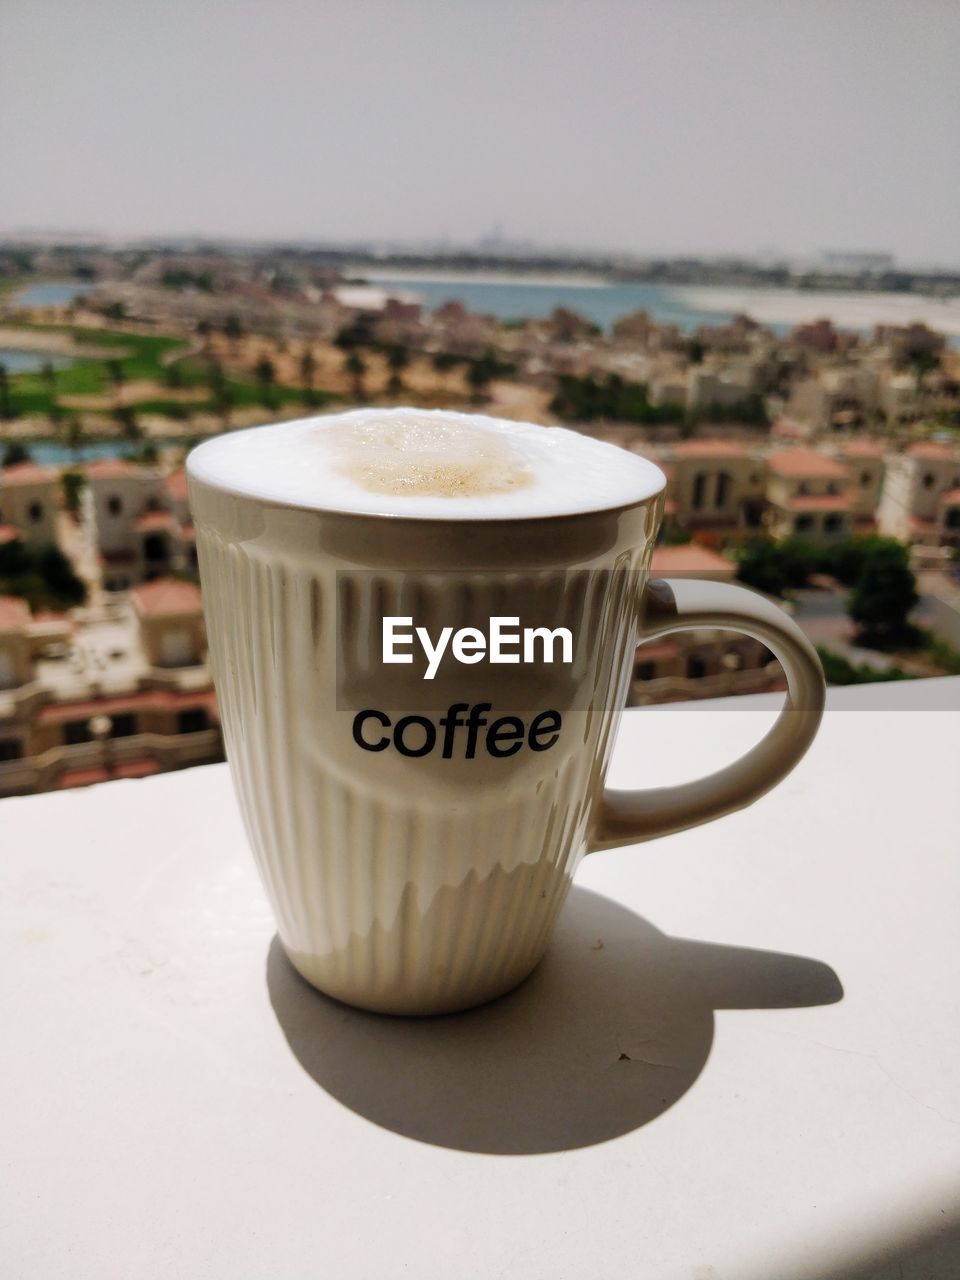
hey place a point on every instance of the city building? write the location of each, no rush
(29, 502)
(120, 691)
(808, 494)
(921, 495)
(702, 663)
(865, 463)
(141, 523)
(713, 485)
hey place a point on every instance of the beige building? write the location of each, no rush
(808, 495)
(921, 495)
(713, 485)
(29, 502)
(704, 663)
(138, 533)
(122, 691)
(865, 464)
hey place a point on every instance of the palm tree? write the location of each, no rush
(220, 392)
(308, 367)
(266, 375)
(233, 331)
(356, 366)
(397, 361)
(117, 377)
(74, 434)
(479, 376)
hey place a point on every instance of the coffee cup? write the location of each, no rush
(422, 628)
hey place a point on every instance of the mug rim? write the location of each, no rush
(585, 513)
(234, 491)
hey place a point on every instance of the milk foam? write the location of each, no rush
(425, 463)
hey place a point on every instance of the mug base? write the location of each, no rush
(408, 1004)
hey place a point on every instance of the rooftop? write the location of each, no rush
(820, 502)
(166, 596)
(709, 449)
(862, 449)
(154, 521)
(738, 1057)
(692, 559)
(111, 469)
(14, 614)
(805, 463)
(932, 450)
(176, 484)
(27, 473)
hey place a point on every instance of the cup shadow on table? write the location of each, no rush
(611, 1030)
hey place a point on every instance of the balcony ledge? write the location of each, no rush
(779, 1097)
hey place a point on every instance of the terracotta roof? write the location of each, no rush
(166, 596)
(110, 469)
(862, 449)
(691, 559)
(153, 521)
(933, 450)
(14, 613)
(26, 473)
(950, 497)
(657, 649)
(9, 533)
(139, 768)
(710, 449)
(820, 502)
(82, 777)
(806, 463)
(145, 700)
(176, 484)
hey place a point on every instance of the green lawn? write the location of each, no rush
(32, 393)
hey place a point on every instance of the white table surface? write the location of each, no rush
(776, 1098)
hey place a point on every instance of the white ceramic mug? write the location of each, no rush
(407, 880)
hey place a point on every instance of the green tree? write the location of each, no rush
(173, 376)
(444, 361)
(4, 393)
(58, 575)
(480, 373)
(266, 376)
(74, 434)
(73, 484)
(356, 367)
(49, 376)
(220, 392)
(15, 453)
(397, 360)
(308, 367)
(760, 565)
(126, 417)
(118, 377)
(233, 330)
(885, 593)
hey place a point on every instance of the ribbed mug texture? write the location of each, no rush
(413, 885)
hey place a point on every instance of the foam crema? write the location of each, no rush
(425, 463)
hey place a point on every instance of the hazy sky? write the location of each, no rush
(657, 126)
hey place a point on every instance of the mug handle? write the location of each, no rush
(627, 817)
